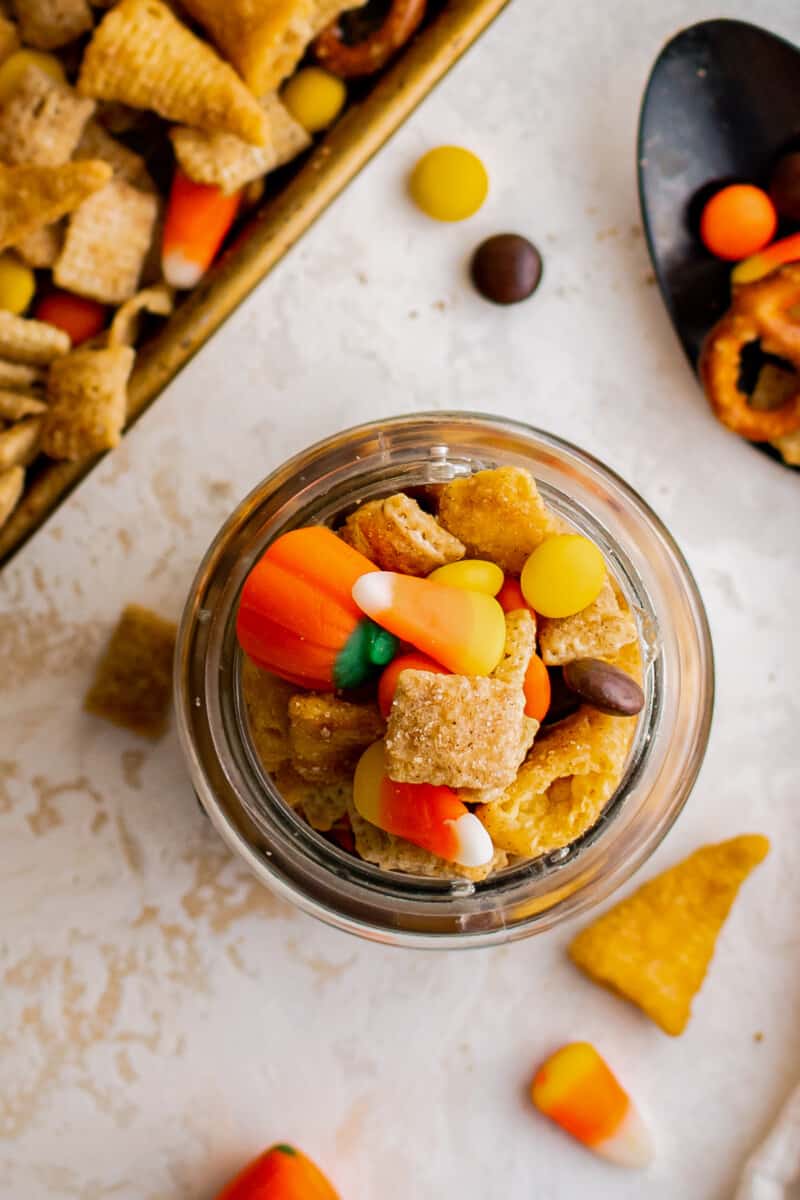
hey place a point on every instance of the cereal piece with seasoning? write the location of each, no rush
(456, 730)
(266, 699)
(397, 535)
(323, 803)
(519, 649)
(497, 514)
(40, 248)
(132, 686)
(106, 244)
(42, 121)
(87, 394)
(597, 631)
(328, 735)
(49, 24)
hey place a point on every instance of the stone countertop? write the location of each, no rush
(161, 1016)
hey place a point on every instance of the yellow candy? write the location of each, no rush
(472, 574)
(563, 575)
(449, 183)
(12, 70)
(314, 98)
(17, 284)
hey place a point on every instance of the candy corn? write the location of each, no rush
(198, 218)
(281, 1173)
(297, 617)
(474, 574)
(576, 1089)
(428, 816)
(465, 631)
(785, 250)
(405, 662)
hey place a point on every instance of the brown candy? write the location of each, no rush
(506, 268)
(604, 687)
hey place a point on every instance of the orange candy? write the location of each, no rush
(510, 597)
(537, 689)
(406, 662)
(198, 218)
(738, 221)
(76, 315)
(281, 1173)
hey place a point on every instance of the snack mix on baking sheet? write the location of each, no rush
(397, 677)
(97, 226)
(757, 395)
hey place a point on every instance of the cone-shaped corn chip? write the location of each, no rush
(142, 55)
(87, 391)
(34, 196)
(654, 947)
(19, 443)
(16, 405)
(33, 342)
(265, 42)
(12, 482)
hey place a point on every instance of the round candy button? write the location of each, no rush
(449, 183)
(506, 268)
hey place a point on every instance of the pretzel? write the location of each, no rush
(760, 311)
(367, 56)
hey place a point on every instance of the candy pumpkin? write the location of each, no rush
(280, 1173)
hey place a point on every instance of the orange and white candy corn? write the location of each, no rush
(463, 630)
(576, 1088)
(198, 218)
(429, 816)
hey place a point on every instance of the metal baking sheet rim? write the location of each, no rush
(332, 165)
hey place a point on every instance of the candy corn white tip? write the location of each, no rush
(373, 592)
(179, 271)
(475, 847)
(631, 1146)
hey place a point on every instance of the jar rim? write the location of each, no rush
(302, 866)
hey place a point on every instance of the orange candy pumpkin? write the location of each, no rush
(280, 1173)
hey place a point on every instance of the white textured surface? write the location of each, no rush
(161, 1017)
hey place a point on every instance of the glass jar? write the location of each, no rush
(301, 865)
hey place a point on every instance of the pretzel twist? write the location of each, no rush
(367, 56)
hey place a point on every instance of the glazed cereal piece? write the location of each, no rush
(266, 699)
(225, 161)
(49, 24)
(598, 631)
(497, 514)
(12, 481)
(41, 248)
(654, 948)
(322, 803)
(519, 649)
(16, 405)
(33, 343)
(457, 730)
(488, 795)
(392, 853)
(126, 164)
(106, 244)
(264, 42)
(397, 535)
(34, 196)
(19, 443)
(143, 56)
(41, 121)
(327, 736)
(133, 682)
(87, 394)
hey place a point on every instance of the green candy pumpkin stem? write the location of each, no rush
(368, 647)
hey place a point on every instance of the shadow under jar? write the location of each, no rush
(322, 484)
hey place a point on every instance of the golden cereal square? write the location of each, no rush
(87, 394)
(133, 683)
(96, 143)
(107, 242)
(497, 514)
(12, 481)
(19, 443)
(41, 121)
(532, 823)
(392, 853)
(142, 55)
(519, 649)
(225, 161)
(49, 24)
(455, 730)
(266, 700)
(31, 197)
(397, 535)
(265, 42)
(322, 803)
(654, 947)
(597, 631)
(40, 248)
(327, 736)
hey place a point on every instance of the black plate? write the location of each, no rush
(721, 105)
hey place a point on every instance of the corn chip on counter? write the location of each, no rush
(163, 1017)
